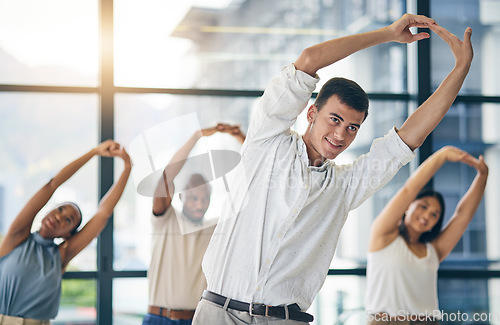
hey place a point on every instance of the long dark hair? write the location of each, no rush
(434, 232)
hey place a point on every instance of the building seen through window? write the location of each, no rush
(213, 59)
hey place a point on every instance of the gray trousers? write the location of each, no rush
(208, 313)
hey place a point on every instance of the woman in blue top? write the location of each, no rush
(31, 264)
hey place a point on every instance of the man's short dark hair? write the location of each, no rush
(197, 180)
(347, 91)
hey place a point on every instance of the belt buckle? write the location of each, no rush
(250, 309)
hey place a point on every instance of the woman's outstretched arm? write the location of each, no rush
(20, 228)
(464, 212)
(385, 227)
(74, 245)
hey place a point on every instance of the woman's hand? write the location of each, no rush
(454, 154)
(481, 167)
(106, 148)
(122, 153)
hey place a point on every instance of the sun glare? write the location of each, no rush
(64, 35)
(51, 33)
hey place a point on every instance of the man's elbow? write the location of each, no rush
(307, 61)
(413, 145)
(411, 141)
(158, 212)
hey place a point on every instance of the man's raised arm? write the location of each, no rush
(165, 188)
(421, 123)
(326, 53)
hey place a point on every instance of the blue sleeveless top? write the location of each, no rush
(30, 279)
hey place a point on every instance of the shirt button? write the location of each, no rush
(268, 261)
(258, 288)
(280, 235)
(307, 186)
(295, 211)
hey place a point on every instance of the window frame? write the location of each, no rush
(107, 91)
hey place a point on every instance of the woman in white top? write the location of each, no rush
(407, 243)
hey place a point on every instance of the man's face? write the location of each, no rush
(196, 201)
(331, 130)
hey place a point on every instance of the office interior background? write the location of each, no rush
(146, 73)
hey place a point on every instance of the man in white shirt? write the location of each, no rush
(180, 238)
(274, 243)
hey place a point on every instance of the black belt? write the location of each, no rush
(255, 309)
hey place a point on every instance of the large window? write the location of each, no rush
(242, 44)
(51, 43)
(149, 73)
(40, 134)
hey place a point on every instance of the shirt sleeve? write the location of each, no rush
(371, 171)
(283, 100)
(159, 220)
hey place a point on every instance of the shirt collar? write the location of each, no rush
(42, 241)
(302, 151)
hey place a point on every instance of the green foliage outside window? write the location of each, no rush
(78, 293)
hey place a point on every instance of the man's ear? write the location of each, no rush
(312, 111)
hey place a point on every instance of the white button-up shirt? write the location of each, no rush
(277, 235)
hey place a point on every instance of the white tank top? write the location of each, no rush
(400, 283)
